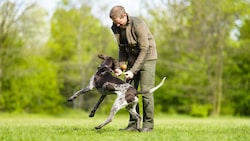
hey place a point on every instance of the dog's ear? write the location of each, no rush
(101, 56)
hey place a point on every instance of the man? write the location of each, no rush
(137, 48)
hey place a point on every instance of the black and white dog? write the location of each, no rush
(106, 83)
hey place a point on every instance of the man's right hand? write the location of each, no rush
(118, 72)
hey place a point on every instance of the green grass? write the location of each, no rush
(167, 128)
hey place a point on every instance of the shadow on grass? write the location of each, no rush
(83, 130)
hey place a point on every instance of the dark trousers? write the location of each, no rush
(145, 78)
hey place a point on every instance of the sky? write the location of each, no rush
(130, 5)
(100, 9)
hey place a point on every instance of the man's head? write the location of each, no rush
(119, 16)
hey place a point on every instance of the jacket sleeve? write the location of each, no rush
(141, 32)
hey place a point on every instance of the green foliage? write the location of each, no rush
(207, 70)
(33, 89)
(200, 110)
(237, 79)
(245, 30)
(76, 39)
(193, 53)
(27, 80)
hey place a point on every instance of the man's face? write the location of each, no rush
(120, 21)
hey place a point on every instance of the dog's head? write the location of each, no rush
(108, 62)
(107, 66)
(102, 70)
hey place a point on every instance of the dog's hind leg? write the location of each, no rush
(132, 110)
(115, 108)
(92, 113)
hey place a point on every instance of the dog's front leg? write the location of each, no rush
(74, 96)
(83, 90)
(92, 113)
(108, 86)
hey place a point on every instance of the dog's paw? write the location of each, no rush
(98, 127)
(92, 114)
(71, 98)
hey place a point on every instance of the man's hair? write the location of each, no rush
(117, 11)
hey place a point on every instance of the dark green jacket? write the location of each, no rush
(141, 44)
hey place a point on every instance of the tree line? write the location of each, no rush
(203, 49)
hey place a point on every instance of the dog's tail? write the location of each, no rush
(153, 89)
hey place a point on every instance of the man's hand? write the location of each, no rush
(129, 74)
(118, 72)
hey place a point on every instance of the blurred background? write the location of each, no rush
(48, 50)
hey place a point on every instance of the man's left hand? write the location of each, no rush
(129, 74)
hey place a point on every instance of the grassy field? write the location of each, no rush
(167, 128)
